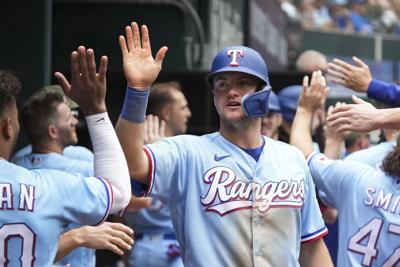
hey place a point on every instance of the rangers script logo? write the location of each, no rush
(226, 194)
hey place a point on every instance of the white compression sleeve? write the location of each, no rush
(109, 159)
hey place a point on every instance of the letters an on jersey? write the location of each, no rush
(226, 194)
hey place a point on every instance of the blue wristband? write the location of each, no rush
(135, 104)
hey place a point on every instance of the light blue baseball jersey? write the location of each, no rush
(80, 256)
(155, 219)
(373, 155)
(55, 161)
(72, 152)
(368, 202)
(229, 210)
(35, 206)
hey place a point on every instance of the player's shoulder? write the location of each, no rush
(283, 148)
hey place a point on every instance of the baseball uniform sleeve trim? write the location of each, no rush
(315, 235)
(152, 165)
(311, 156)
(110, 198)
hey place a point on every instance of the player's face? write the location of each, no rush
(65, 124)
(229, 88)
(180, 113)
(270, 124)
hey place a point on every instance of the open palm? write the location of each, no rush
(140, 69)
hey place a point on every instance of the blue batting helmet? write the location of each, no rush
(273, 103)
(239, 59)
(246, 60)
(288, 99)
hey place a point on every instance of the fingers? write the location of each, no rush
(145, 38)
(129, 38)
(305, 83)
(332, 71)
(360, 63)
(162, 129)
(357, 100)
(122, 45)
(91, 63)
(75, 72)
(343, 66)
(83, 66)
(63, 82)
(136, 35)
(160, 55)
(103, 68)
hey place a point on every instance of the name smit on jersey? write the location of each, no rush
(235, 194)
(26, 197)
(381, 200)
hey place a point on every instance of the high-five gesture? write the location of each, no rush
(314, 94)
(87, 87)
(140, 69)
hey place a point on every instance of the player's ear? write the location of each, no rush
(6, 128)
(52, 131)
(166, 113)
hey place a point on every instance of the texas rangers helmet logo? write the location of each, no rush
(235, 53)
(226, 194)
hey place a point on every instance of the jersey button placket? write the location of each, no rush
(256, 230)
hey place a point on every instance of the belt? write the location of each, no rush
(169, 236)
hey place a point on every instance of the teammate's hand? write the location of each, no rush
(87, 87)
(360, 117)
(331, 133)
(140, 69)
(153, 129)
(314, 94)
(356, 77)
(115, 237)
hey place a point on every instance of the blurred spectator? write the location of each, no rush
(359, 17)
(340, 16)
(390, 19)
(315, 14)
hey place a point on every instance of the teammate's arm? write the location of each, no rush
(359, 78)
(88, 89)
(312, 97)
(314, 254)
(115, 237)
(140, 71)
(363, 117)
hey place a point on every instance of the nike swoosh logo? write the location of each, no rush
(216, 158)
(100, 120)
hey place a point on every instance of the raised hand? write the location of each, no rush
(360, 117)
(153, 129)
(140, 69)
(87, 87)
(314, 94)
(355, 77)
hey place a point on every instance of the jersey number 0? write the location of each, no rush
(22, 231)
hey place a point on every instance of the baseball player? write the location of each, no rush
(359, 78)
(50, 126)
(367, 199)
(35, 204)
(236, 198)
(156, 243)
(73, 151)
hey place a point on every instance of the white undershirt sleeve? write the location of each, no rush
(109, 159)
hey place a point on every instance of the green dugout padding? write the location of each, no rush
(376, 47)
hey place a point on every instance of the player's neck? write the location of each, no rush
(50, 147)
(245, 136)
